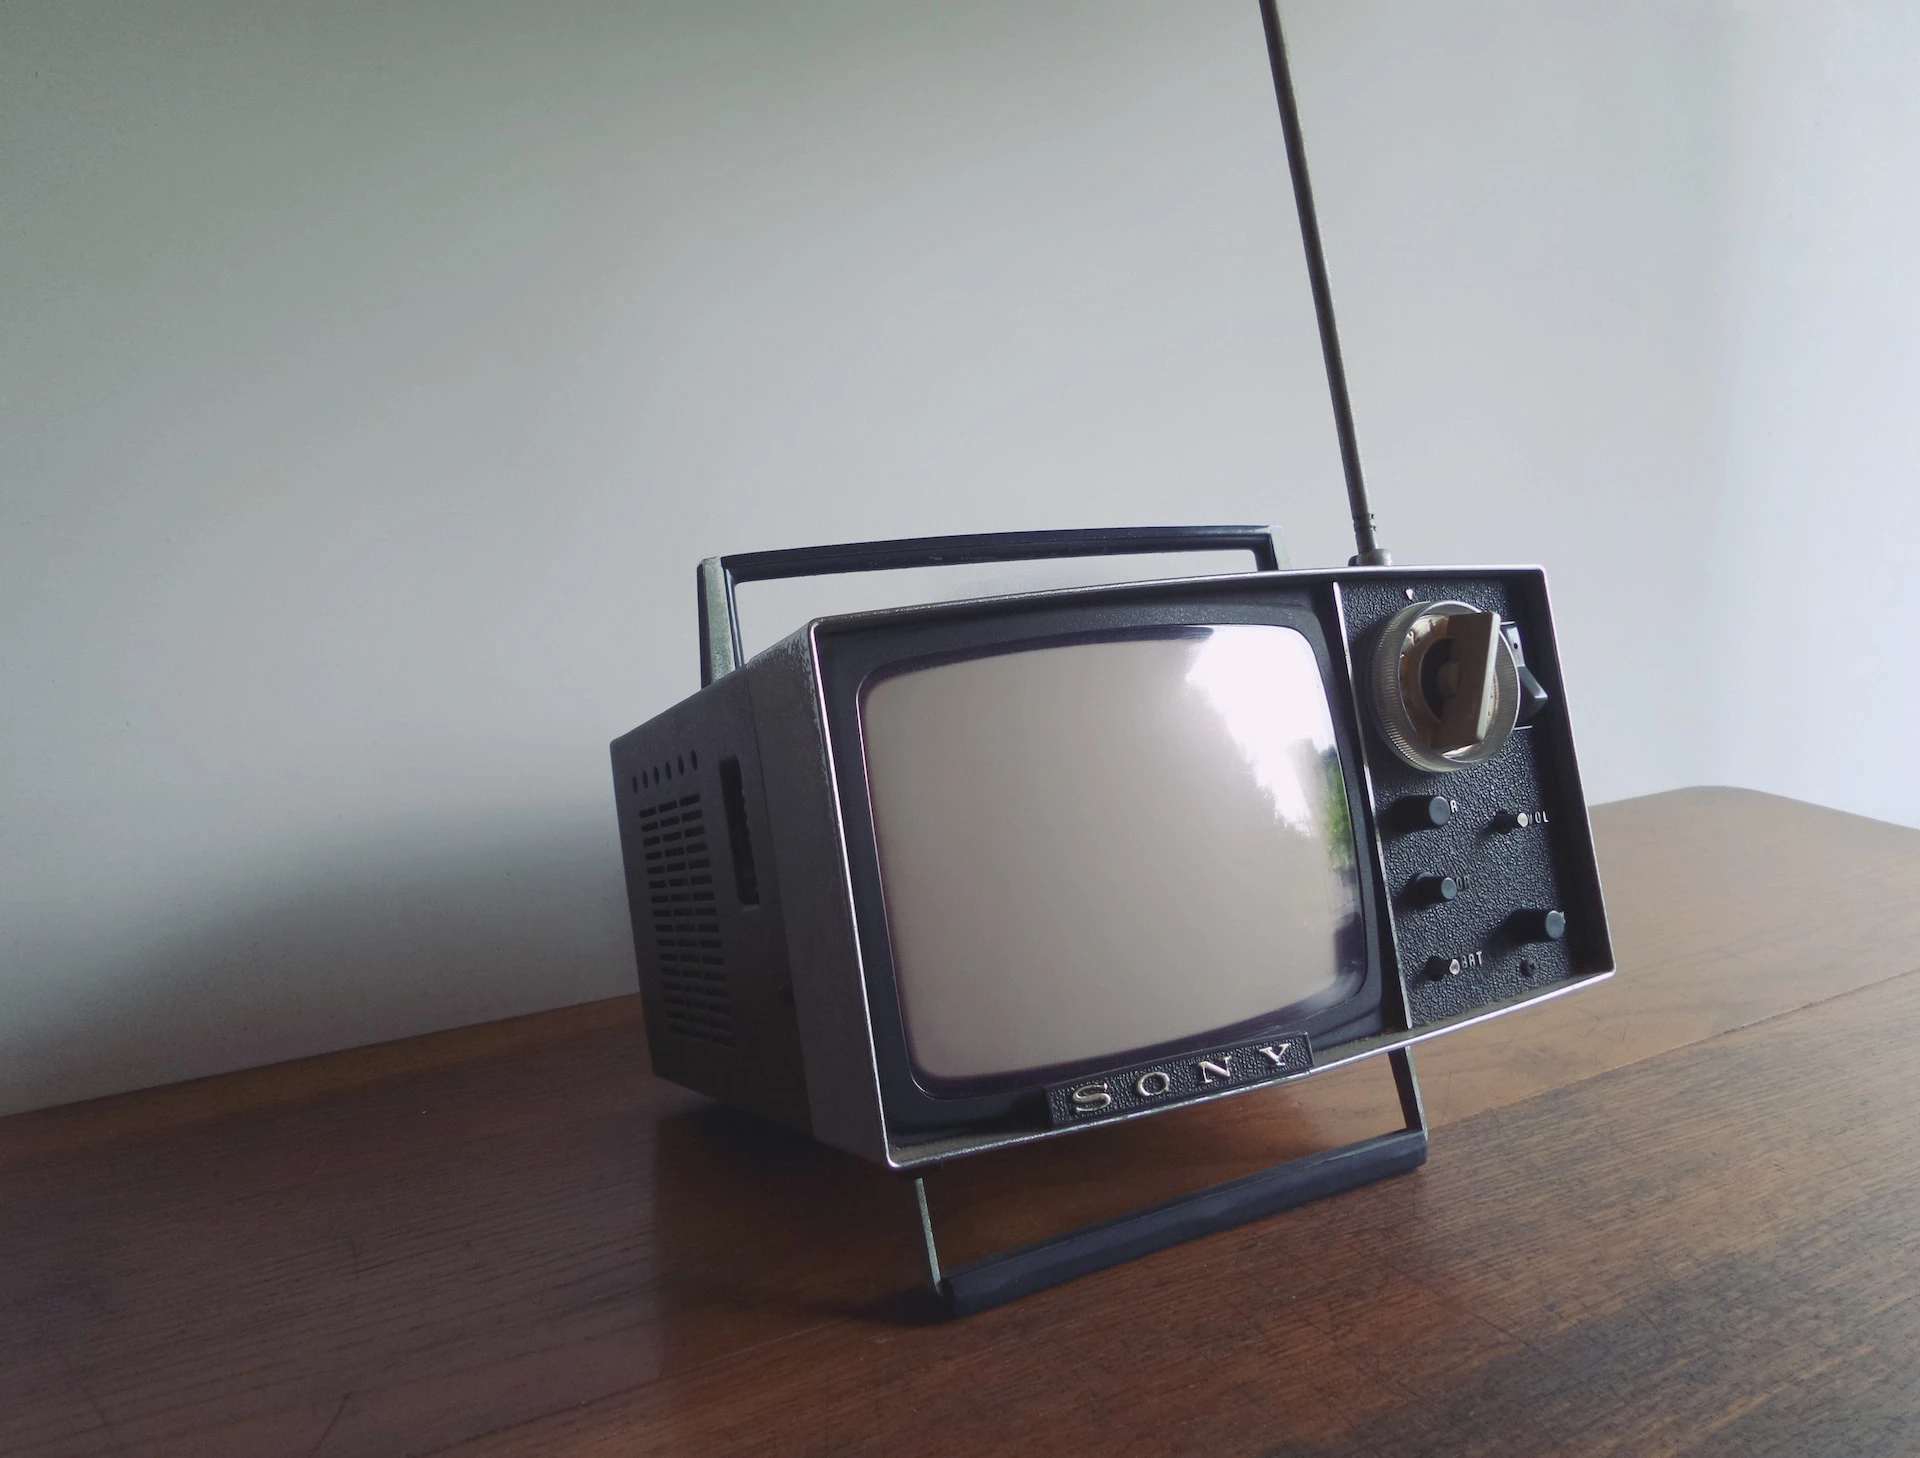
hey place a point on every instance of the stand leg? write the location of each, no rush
(926, 1234)
(1010, 1274)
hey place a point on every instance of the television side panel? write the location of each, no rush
(809, 847)
(705, 898)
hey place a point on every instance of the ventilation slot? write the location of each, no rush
(746, 882)
(686, 924)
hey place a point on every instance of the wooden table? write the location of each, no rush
(1676, 1214)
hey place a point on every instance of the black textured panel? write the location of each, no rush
(1499, 873)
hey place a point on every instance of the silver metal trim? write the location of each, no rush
(1573, 771)
(938, 1151)
(845, 866)
(816, 893)
(1373, 799)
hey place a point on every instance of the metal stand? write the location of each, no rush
(1010, 1274)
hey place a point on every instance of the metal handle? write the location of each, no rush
(1008, 1275)
(720, 649)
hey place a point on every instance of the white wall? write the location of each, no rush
(1816, 549)
(372, 375)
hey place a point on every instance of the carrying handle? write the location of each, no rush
(720, 648)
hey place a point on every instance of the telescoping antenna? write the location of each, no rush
(1368, 552)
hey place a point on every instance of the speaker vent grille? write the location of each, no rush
(686, 923)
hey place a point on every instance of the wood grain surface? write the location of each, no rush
(1674, 1214)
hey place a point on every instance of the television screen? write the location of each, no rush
(1089, 849)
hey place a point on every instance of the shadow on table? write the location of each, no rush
(751, 1214)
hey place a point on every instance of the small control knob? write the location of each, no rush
(1421, 812)
(1538, 926)
(1510, 820)
(1434, 890)
(1533, 697)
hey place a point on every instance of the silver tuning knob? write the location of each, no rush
(1444, 684)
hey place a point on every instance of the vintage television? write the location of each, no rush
(939, 879)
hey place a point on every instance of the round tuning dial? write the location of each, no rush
(1445, 687)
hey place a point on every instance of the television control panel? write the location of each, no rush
(1481, 825)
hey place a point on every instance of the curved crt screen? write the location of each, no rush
(1097, 848)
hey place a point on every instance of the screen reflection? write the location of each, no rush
(1096, 848)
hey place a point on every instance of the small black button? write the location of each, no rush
(1433, 890)
(1421, 812)
(1538, 926)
